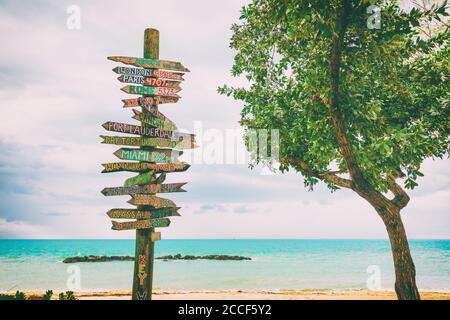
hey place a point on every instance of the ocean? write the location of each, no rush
(278, 265)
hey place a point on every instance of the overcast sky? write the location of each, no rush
(57, 88)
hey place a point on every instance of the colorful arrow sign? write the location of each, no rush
(147, 142)
(144, 166)
(150, 63)
(147, 189)
(152, 121)
(150, 200)
(146, 131)
(140, 224)
(154, 82)
(143, 214)
(155, 155)
(148, 73)
(148, 102)
(140, 179)
(152, 91)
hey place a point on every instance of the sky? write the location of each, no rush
(57, 88)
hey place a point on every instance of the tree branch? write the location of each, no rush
(401, 198)
(330, 177)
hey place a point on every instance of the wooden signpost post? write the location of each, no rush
(156, 137)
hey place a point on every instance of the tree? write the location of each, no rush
(356, 107)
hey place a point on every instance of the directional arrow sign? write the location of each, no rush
(145, 166)
(147, 102)
(158, 82)
(150, 64)
(156, 155)
(143, 214)
(146, 131)
(141, 224)
(140, 179)
(167, 75)
(148, 73)
(147, 142)
(154, 82)
(147, 189)
(152, 91)
(151, 120)
(150, 200)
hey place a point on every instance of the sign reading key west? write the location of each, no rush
(157, 143)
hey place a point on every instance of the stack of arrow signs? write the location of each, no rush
(151, 148)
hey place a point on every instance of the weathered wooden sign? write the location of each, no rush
(148, 102)
(146, 131)
(147, 142)
(152, 121)
(150, 200)
(140, 224)
(147, 189)
(152, 91)
(155, 155)
(150, 63)
(144, 166)
(154, 82)
(143, 214)
(149, 73)
(141, 179)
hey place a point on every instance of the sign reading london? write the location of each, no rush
(157, 143)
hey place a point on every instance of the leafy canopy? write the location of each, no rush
(393, 93)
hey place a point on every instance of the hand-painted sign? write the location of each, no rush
(150, 63)
(152, 121)
(148, 102)
(150, 200)
(144, 166)
(143, 214)
(158, 82)
(141, 179)
(167, 75)
(147, 142)
(155, 155)
(152, 91)
(147, 189)
(146, 131)
(140, 224)
(154, 82)
(148, 73)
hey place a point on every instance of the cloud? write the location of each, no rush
(57, 88)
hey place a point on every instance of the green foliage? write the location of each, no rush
(48, 295)
(68, 295)
(394, 84)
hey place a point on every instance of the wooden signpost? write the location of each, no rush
(156, 138)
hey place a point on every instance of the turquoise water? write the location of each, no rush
(275, 264)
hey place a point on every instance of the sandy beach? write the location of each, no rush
(258, 295)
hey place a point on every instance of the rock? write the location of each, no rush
(97, 259)
(164, 258)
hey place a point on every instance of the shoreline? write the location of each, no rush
(248, 295)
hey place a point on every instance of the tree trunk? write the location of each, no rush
(405, 272)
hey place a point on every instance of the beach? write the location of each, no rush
(259, 295)
(278, 269)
